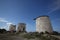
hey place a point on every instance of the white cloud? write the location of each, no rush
(7, 23)
(3, 20)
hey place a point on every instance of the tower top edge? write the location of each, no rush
(41, 16)
(22, 23)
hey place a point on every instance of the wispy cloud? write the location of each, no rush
(3, 20)
(7, 23)
(56, 6)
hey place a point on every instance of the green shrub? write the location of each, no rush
(3, 31)
(46, 32)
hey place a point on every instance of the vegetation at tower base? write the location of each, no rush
(29, 36)
(3, 31)
(56, 33)
(40, 36)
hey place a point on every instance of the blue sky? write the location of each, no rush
(17, 11)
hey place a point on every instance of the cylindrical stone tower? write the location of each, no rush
(21, 27)
(43, 24)
(12, 28)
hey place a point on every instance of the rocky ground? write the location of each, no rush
(24, 36)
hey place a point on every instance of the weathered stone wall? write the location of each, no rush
(12, 27)
(43, 24)
(21, 27)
